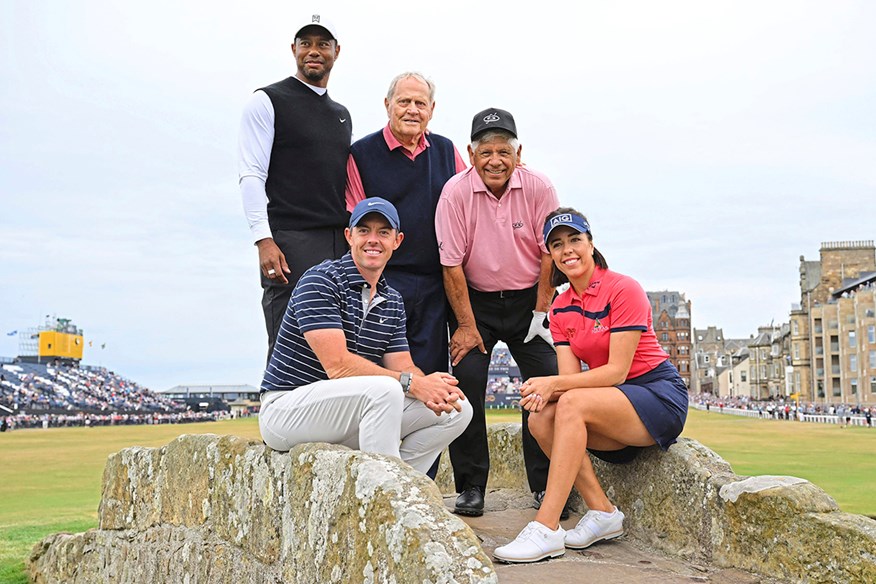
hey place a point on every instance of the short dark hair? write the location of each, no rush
(558, 278)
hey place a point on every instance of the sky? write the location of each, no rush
(711, 144)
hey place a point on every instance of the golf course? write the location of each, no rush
(51, 478)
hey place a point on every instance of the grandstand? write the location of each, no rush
(46, 385)
(61, 388)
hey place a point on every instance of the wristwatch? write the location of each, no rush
(405, 379)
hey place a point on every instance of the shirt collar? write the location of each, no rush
(355, 278)
(595, 281)
(592, 288)
(478, 186)
(393, 143)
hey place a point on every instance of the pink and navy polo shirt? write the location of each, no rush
(612, 303)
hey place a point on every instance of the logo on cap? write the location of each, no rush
(564, 218)
(493, 117)
(314, 18)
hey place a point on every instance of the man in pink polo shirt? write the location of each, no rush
(497, 278)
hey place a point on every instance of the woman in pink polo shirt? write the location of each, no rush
(630, 396)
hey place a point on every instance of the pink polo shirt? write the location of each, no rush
(355, 190)
(498, 242)
(612, 303)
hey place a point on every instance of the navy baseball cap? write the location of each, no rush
(375, 205)
(571, 220)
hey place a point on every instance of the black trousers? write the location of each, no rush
(303, 250)
(499, 318)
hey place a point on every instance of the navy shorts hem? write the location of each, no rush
(660, 400)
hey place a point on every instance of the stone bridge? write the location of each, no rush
(220, 509)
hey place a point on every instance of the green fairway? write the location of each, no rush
(51, 478)
(839, 460)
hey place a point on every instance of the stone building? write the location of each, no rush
(769, 362)
(720, 364)
(671, 314)
(833, 328)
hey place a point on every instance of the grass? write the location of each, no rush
(51, 478)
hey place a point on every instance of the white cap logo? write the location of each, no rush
(564, 218)
(491, 118)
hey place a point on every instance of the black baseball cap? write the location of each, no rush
(493, 119)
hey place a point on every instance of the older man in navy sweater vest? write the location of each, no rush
(407, 165)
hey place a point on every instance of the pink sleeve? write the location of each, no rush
(629, 306)
(355, 191)
(449, 229)
(548, 203)
(557, 333)
(460, 163)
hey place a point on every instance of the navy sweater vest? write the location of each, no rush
(308, 167)
(414, 187)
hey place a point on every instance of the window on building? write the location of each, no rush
(854, 387)
(795, 328)
(852, 341)
(873, 360)
(853, 362)
(796, 350)
(743, 377)
(664, 336)
(763, 371)
(873, 384)
(871, 334)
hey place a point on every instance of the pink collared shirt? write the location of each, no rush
(355, 191)
(498, 242)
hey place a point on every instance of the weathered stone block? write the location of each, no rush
(225, 510)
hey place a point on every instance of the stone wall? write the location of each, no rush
(217, 510)
(688, 502)
(221, 509)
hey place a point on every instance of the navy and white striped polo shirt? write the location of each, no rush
(329, 296)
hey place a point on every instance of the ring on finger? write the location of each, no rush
(272, 271)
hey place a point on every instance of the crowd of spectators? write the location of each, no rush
(785, 409)
(64, 390)
(21, 421)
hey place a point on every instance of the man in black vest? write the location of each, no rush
(294, 143)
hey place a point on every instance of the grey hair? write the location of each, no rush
(411, 75)
(491, 135)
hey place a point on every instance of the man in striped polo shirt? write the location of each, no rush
(341, 371)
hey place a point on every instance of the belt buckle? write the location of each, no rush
(502, 294)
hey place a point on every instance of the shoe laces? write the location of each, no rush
(527, 532)
(589, 521)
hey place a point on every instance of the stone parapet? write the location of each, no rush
(226, 510)
(221, 510)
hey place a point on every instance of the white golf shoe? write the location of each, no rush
(536, 542)
(595, 526)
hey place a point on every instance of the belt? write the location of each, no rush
(499, 293)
